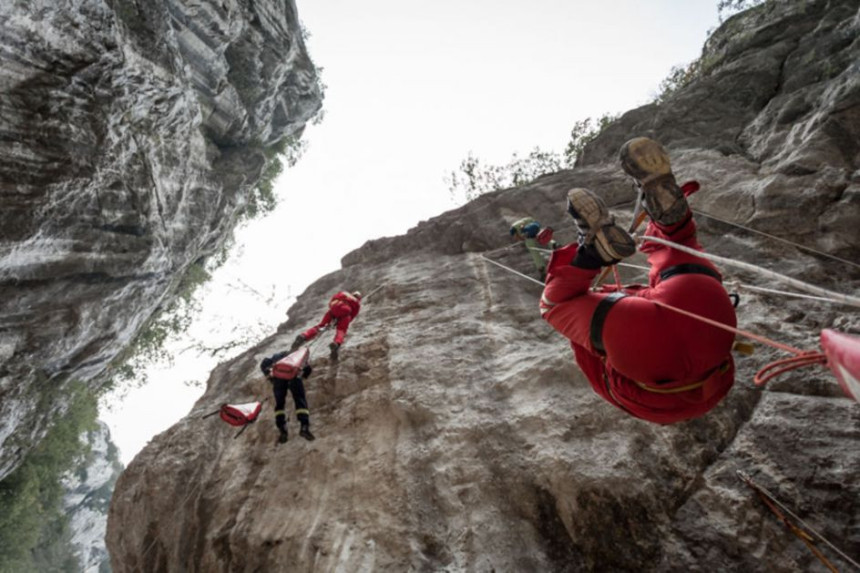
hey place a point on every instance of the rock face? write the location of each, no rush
(88, 493)
(131, 135)
(457, 434)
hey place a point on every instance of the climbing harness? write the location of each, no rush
(803, 531)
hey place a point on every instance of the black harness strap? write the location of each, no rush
(689, 269)
(599, 317)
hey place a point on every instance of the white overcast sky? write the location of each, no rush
(413, 87)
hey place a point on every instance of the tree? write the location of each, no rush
(473, 177)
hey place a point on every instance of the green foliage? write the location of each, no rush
(582, 133)
(263, 199)
(33, 528)
(165, 323)
(678, 78)
(474, 178)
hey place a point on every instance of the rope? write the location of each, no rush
(775, 238)
(786, 364)
(741, 286)
(748, 334)
(736, 285)
(775, 506)
(509, 269)
(843, 298)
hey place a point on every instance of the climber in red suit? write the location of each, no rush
(650, 361)
(342, 308)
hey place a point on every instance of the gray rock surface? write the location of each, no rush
(131, 134)
(457, 434)
(88, 491)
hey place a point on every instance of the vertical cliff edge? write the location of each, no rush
(131, 137)
(456, 433)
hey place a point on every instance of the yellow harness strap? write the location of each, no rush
(721, 369)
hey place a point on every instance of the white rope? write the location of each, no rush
(775, 238)
(509, 269)
(629, 266)
(742, 286)
(842, 298)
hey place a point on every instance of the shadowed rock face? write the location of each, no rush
(456, 433)
(130, 136)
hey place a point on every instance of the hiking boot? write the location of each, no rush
(648, 163)
(282, 436)
(597, 228)
(305, 432)
(297, 343)
(334, 347)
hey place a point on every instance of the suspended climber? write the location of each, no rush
(655, 364)
(342, 309)
(286, 370)
(536, 241)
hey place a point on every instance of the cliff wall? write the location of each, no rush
(131, 137)
(456, 433)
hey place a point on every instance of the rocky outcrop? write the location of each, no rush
(456, 433)
(779, 88)
(88, 491)
(131, 134)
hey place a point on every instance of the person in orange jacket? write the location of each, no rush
(650, 361)
(342, 309)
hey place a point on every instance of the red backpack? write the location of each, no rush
(291, 365)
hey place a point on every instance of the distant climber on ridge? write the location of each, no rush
(536, 241)
(285, 370)
(342, 308)
(652, 362)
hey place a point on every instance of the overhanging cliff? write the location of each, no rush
(131, 136)
(456, 433)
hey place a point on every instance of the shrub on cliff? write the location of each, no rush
(473, 178)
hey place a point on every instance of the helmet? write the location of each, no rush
(357, 294)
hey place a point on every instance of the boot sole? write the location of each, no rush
(612, 242)
(646, 161)
(591, 208)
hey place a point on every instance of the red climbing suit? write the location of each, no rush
(342, 308)
(659, 365)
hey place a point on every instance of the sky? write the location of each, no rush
(413, 87)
